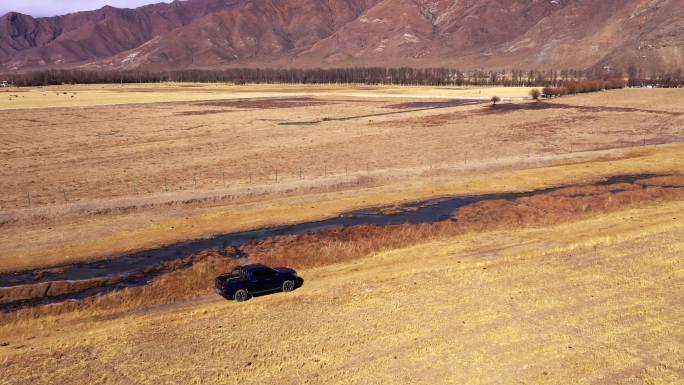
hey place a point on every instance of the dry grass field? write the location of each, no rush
(102, 95)
(87, 182)
(582, 285)
(597, 301)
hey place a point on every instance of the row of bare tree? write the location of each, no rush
(392, 76)
(578, 87)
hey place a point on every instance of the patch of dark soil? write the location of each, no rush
(344, 118)
(511, 107)
(532, 106)
(436, 104)
(194, 127)
(266, 103)
(441, 119)
(203, 112)
(304, 123)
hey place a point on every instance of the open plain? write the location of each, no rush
(88, 182)
(591, 295)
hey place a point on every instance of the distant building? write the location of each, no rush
(4, 83)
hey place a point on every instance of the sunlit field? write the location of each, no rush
(595, 301)
(101, 95)
(88, 182)
(563, 266)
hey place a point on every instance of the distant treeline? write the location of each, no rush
(387, 76)
(582, 86)
(638, 78)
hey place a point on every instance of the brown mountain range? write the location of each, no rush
(339, 33)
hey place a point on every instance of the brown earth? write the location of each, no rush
(256, 104)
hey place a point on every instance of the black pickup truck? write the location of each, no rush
(246, 280)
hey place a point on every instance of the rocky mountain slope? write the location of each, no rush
(337, 33)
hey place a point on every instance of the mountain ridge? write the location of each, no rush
(468, 34)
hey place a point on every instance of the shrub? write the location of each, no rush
(549, 91)
(535, 94)
(555, 91)
(495, 99)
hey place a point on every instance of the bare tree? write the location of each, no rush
(494, 100)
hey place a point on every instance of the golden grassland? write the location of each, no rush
(594, 301)
(101, 95)
(597, 299)
(143, 175)
(311, 207)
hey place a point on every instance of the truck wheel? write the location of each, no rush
(288, 286)
(240, 295)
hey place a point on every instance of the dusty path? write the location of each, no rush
(594, 302)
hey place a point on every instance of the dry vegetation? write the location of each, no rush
(102, 95)
(581, 284)
(594, 301)
(111, 179)
(193, 276)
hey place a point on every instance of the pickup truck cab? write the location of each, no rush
(246, 280)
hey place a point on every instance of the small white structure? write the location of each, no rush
(4, 83)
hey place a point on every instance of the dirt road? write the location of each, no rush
(593, 302)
